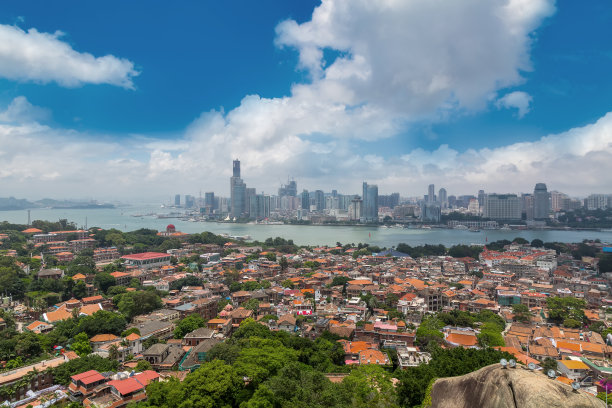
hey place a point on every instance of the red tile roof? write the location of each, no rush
(145, 256)
(126, 386)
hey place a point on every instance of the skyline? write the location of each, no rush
(501, 96)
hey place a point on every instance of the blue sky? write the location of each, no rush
(149, 99)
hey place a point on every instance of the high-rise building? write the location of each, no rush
(598, 201)
(209, 200)
(319, 198)
(541, 202)
(442, 199)
(355, 208)
(502, 207)
(527, 206)
(430, 212)
(237, 192)
(473, 207)
(370, 202)
(177, 200)
(481, 198)
(289, 189)
(305, 200)
(250, 193)
(236, 169)
(431, 194)
(452, 201)
(189, 201)
(259, 207)
(391, 200)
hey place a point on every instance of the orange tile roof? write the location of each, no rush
(103, 337)
(574, 365)
(57, 315)
(32, 231)
(568, 346)
(462, 339)
(371, 356)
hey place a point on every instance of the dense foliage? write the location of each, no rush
(258, 368)
(561, 309)
(63, 372)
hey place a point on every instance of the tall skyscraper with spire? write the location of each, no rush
(237, 192)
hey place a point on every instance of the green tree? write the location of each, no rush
(81, 345)
(262, 359)
(28, 345)
(187, 325)
(429, 331)
(79, 290)
(340, 280)
(605, 263)
(215, 384)
(101, 322)
(537, 243)
(370, 386)
(287, 283)
(104, 281)
(490, 338)
(571, 323)
(143, 365)
(252, 304)
(521, 313)
(63, 372)
(113, 352)
(560, 309)
(139, 302)
(549, 364)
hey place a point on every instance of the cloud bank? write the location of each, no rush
(374, 70)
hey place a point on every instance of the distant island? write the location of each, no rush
(12, 203)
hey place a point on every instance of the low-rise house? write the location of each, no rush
(287, 323)
(39, 327)
(197, 336)
(83, 385)
(197, 355)
(50, 274)
(163, 356)
(100, 340)
(134, 343)
(575, 370)
(155, 328)
(371, 356)
(221, 326)
(120, 392)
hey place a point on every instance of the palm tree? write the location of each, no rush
(113, 352)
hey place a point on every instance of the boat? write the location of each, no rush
(474, 229)
(460, 227)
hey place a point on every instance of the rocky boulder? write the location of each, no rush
(495, 387)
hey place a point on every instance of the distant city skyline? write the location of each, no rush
(493, 94)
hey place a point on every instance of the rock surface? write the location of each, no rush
(494, 387)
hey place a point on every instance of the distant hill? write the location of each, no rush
(12, 203)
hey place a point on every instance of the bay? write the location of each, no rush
(123, 218)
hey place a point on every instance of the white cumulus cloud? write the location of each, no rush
(43, 57)
(518, 100)
(20, 110)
